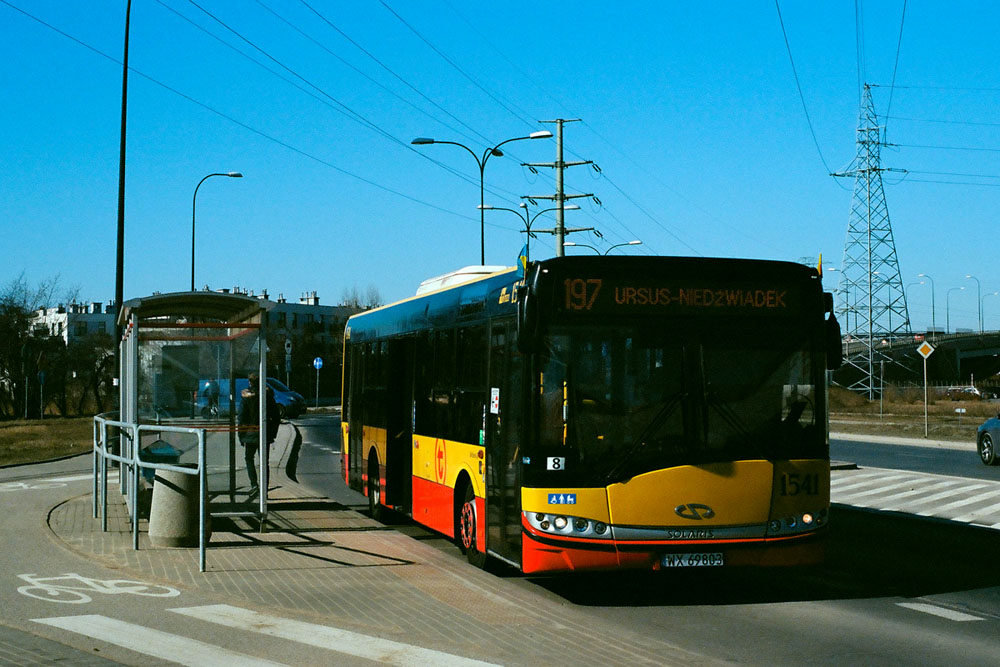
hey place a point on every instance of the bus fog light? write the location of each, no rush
(581, 525)
(791, 522)
(600, 528)
(539, 517)
(544, 525)
(560, 522)
(807, 519)
(775, 526)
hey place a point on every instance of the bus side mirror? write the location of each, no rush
(527, 321)
(834, 349)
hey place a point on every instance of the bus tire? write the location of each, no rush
(375, 508)
(468, 529)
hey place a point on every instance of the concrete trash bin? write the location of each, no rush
(173, 514)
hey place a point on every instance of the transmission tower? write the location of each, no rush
(871, 299)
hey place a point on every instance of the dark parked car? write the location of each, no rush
(987, 437)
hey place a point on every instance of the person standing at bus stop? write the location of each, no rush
(249, 422)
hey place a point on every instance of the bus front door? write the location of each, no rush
(503, 466)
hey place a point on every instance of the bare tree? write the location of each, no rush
(372, 298)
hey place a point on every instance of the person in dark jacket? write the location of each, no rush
(249, 423)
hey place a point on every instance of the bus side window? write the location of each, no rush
(423, 399)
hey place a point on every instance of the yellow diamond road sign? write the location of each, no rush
(925, 349)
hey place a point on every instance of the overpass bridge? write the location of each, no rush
(960, 358)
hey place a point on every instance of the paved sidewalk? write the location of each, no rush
(909, 442)
(323, 562)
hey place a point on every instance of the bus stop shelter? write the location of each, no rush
(186, 359)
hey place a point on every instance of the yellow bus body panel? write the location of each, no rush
(440, 461)
(805, 487)
(738, 492)
(590, 503)
(373, 437)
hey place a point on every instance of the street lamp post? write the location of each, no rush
(979, 297)
(619, 245)
(933, 321)
(947, 308)
(194, 201)
(528, 219)
(423, 141)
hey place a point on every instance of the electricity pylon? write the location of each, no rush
(871, 300)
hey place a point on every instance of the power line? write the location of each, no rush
(461, 71)
(947, 122)
(358, 70)
(340, 107)
(393, 73)
(798, 86)
(895, 66)
(951, 148)
(239, 123)
(859, 46)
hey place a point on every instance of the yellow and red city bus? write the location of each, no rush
(602, 412)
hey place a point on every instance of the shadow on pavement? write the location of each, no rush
(869, 555)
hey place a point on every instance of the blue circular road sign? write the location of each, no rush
(318, 363)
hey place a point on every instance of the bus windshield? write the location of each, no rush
(613, 402)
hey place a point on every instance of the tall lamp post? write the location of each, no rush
(933, 310)
(528, 219)
(423, 141)
(194, 201)
(979, 297)
(947, 307)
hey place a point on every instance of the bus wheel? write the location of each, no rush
(374, 492)
(468, 530)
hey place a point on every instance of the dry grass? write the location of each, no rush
(41, 440)
(902, 414)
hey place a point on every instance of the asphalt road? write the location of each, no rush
(933, 460)
(894, 590)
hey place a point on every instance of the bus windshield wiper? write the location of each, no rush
(667, 409)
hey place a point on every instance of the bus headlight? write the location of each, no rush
(568, 526)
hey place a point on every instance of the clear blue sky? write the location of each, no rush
(690, 109)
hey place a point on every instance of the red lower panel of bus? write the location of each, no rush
(433, 505)
(545, 554)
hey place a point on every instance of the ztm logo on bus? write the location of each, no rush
(439, 460)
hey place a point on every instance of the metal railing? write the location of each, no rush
(128, 459)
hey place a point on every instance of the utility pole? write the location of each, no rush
(560, 197)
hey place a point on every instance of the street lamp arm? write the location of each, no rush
(194, 201)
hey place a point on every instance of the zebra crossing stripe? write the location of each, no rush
(342, 641)
(156, 643)
(950, 614)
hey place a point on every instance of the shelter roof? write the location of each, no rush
(195, 307)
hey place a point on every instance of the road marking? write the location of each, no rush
(878, 489)
(989, 495)
(334, 639)
(156, 643)
(950, 614)
(920, 490)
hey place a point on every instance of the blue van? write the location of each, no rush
(213, 398)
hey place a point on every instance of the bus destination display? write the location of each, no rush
(601, 295)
